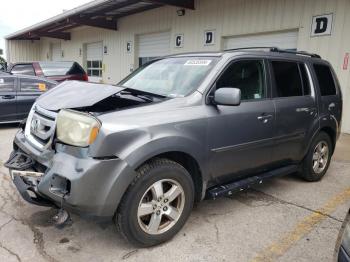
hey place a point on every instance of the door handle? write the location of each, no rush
(8, 97)
(265, 118)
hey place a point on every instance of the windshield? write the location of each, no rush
(59, 68)
(171, 77)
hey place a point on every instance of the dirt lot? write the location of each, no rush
(283, 220)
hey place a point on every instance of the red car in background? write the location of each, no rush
(54, 70)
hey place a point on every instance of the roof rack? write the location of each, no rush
(277, 50)
(252, 48)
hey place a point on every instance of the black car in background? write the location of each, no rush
(343, 243)
(54, 70)
(18, 93)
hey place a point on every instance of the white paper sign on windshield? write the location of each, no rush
(198, 62)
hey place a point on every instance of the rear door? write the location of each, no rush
(241, 137)
(296, 109)
(8, 98)
(29, 90)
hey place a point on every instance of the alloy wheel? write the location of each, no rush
(161, 206)
(320, 157)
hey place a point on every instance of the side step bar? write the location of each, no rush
(240, 185)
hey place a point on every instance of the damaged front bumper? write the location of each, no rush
(70, 179)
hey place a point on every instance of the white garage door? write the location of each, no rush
(56, 54)
(94, 57)
(283, 40)
(152, 46)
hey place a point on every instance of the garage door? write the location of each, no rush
(151, 46)
(94, 56)
(56, 54)
(283, 40)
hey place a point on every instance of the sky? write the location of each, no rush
(18, 14)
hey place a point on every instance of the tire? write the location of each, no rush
(308, 171)
(141, 230)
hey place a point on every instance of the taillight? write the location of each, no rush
(85, 77)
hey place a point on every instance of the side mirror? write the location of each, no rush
(227, 96)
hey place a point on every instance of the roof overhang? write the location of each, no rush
(100, 13)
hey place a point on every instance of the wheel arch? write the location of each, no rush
(331, 133)
(189, 163)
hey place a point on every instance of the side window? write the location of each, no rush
(7, 84)
(287, 79)
(26, 69)
(325, 80)
(248, 76)
(33, 85)
(306, 80)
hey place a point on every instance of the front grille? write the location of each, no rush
(40, 127)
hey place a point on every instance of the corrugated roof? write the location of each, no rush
(98, 13)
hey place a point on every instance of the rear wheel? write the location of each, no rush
(157, 204)
(317, 161)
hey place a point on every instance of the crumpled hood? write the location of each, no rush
(76, 94)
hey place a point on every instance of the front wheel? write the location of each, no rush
(157, 204)
(317, 161)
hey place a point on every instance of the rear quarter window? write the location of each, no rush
(325, 80)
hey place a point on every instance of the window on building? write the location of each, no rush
(7, 84)
(24, 69)
(287, 79)
(325, 80)
(248, 76)
(94, 68)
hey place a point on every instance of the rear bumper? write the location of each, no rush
(72, 179)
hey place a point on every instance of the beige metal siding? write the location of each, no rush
(227, 17)
(21, 51)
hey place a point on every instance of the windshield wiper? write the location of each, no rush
(143, 93)
(144, 97)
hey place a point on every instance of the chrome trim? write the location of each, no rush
(311, 82)
(35, 133)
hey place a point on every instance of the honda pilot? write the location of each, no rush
(178, 130)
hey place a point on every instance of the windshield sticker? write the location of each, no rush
(1, 81)
(198, 62)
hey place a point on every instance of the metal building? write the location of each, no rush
(110, 38)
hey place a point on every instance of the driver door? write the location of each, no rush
(241, 137)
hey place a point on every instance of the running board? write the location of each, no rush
(240, 185)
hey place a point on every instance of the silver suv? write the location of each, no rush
(176, 131)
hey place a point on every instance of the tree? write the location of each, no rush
(2, 63)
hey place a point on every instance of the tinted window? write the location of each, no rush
(26, 69)
(325, 80)
(60, 68)
(248, 76)
(305, 79)
(7, 84)
(34, 85)
(287, 79)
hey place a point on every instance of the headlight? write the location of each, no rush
(77, 129)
